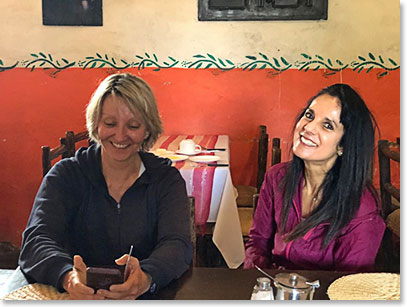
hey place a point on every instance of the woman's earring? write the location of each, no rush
(340, 152)
(147, 135)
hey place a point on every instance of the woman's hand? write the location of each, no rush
(136, 284)
(74, 282)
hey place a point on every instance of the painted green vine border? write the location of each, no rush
(205, 61)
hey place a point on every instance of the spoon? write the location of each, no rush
(268, 275)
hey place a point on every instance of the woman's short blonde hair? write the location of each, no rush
(137, 96)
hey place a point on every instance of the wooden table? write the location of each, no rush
(224, 284)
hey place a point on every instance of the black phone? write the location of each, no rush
(104, 277)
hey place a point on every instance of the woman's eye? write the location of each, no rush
(308, 115)
(108, 124)
(328, 126)
(133, 127)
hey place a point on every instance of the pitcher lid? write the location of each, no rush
(292, 280)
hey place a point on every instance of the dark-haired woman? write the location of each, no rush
(320, 210)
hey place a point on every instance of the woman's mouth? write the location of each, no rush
(307, 142)
(120, 146)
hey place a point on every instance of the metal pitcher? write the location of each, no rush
(292, 286)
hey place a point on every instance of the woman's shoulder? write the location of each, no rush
(277, 171)
(369, 204)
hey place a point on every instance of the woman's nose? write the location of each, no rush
(310, 127)
(121, 133)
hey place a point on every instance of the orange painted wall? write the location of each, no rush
(38, 107)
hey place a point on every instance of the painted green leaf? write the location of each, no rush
(306, 56)
(369, 69)
(264, 56)
(264, 66)
(209, 65)
(339, 62)
(58, 63)
(123, 61)
(319, 57)
(221, 62)
(46, 68)
(198, 56)
(306, 69)
(383, 74)
(156, 69)
(43, 55)
(392, 61)
(199, 65)
(147, 55)
(253, 67)
(140, 57)
(1, 62)
(360, 69)
(65, 60)
(34, 55)
(165, 63)
(251, 57)
(362, 58)
(101, 65)
(284, 60)
(276, 62)
(316, 68)
(149, 64)
(93, 65)
(32, 68)
(42, 64)
(50, 57)
(381, 59)
(230, 62)
(98, 55)
(372, 56)
(89, 58)
(106, 57)
(329, 62)
(113, 60)
(155, 57)
(211, 56)
(172, 59)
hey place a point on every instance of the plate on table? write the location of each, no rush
(204, 159)
(161, 152)
(176, 158)
(197, 152)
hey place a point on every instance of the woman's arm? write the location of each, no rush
(357, 248)
(172, 254)
(44, 254)
(261, 234)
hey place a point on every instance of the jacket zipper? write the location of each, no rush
(118, 206)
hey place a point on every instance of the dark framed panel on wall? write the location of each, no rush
(231, 10)
(72, 12)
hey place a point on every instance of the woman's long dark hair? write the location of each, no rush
(344, 183)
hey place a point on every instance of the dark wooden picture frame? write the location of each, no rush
(72, 12)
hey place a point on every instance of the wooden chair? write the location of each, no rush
(245, 193)
(65, 149)
(275, 159)
(390, 196)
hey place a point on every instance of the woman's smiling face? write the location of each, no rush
(121, 132)
(319, 131)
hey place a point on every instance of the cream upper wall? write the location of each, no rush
(171, 28)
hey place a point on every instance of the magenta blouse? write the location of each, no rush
(354, 249)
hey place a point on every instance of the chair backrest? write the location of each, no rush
(262, 155)
(388, 151)
(65, 149)
(275, 159)
(192, 230)
(275, 151)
